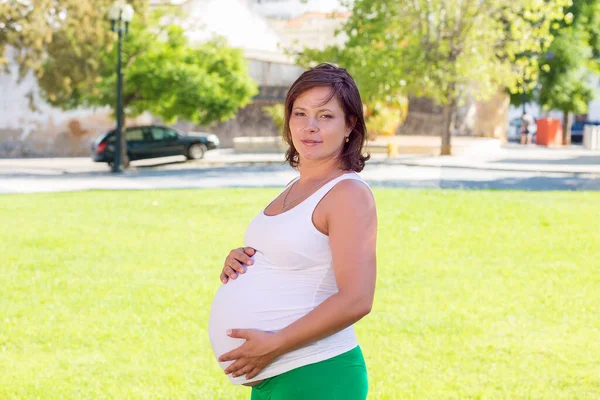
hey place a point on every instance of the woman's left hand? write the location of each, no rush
(259, 350)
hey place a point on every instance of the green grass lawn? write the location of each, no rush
(480, 294)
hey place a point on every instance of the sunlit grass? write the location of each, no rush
(491, 295)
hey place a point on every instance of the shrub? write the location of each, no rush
(276, 112)
(384, 119)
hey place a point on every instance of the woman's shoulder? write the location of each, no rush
(352, 181)
(353, 190)
(348, 201)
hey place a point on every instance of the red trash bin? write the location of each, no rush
(549, 132)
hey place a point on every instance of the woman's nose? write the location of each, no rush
(312, 126)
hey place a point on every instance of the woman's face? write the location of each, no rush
(318, 129)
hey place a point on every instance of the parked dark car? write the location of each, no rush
(155, 141)
(577, 130)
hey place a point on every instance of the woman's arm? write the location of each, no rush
(352, 228)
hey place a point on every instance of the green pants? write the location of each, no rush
(343, 377)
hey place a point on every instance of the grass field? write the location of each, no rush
(481, 295)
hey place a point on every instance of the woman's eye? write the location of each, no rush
(298, 114)
(327, 116)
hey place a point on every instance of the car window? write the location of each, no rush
(158, 133)
(170, 134)
(134, 134)
(148, 134)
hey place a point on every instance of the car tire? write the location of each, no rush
(196, 151)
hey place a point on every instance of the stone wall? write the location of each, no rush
(250, 121)
(424, 117)
(45, 131)
(475, 118)
(492, 116)
(48, 138)
(71, 136)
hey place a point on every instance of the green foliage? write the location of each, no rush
(76, 27)
(441, 48)
(277, 114)
(480, 295)
(27, 29)
(565, 76)
(564, 79)
(10, 19)
(69, 45)
(436, 48)
(384, 119)
(163, 75)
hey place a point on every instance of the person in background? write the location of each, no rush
(527, 128)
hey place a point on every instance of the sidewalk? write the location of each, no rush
(511, 157)
(571, 160)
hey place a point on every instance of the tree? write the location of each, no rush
(527, 70)
(27, 29)
(163, 75)
(565, 76)
(30, 27)
(440, 48)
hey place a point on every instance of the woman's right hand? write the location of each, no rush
(236, 262)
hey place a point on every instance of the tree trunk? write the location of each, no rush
(566, 133)
(449, 124)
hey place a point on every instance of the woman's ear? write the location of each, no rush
(350, 127)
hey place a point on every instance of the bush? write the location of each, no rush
(276, 112)
(384, 119)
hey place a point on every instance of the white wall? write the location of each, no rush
(14, 108)
(233, 19)
(244, 28)
(273, 74)
(47, 130)
(293, 8)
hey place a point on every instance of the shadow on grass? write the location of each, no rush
(579, 160)
(525, 184)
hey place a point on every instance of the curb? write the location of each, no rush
(493, 168)
(532, 168)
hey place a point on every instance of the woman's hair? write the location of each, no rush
(344, 89)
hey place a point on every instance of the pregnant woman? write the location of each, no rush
(285, 326)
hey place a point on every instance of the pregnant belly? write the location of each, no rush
(263, 299)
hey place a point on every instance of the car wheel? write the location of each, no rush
(196, 151)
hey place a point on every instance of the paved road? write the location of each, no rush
(378, 174)
(509, 167)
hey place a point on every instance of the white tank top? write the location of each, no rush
(292, 274)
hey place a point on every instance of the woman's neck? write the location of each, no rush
(312, 171)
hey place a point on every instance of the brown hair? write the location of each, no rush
(346, 92)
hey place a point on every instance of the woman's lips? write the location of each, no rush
(311, 143)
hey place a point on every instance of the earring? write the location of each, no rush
(347, 139)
